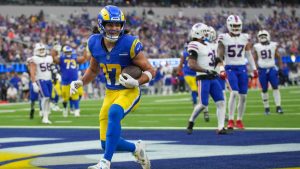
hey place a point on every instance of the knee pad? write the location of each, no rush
(116, 112)
(243, 97)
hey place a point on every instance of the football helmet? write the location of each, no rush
(113, 14)
(234, 24)
(263, 36)
(39, 50)
(67, 51)
(212, 36)
(199, 31)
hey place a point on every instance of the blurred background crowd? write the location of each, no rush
(162, 36)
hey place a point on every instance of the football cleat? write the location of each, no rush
(222, 132)
(267, 111)
(31, 114)
(206, 116)
(103, 164)
(189, 129)
(239, 124)
(140, 155)
(230, 125)
(46, 121)
(279, 110)
(77, 113)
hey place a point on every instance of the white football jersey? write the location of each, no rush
(206, 56)
(234, 48)
(43, 67)
(265, 54)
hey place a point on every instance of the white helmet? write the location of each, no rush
(199, 31)
(67, 51)
(212, 34)
(234, 24)
(263, 36)
(39, 50)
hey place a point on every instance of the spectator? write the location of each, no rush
(12, 94)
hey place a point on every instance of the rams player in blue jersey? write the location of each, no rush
(68, 61)
(111, 51)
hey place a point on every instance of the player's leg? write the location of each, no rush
(192, 83)
(243, 89)
(75, 100)
(45, 92)
(65, 93)
(203, 94)
(273, 78)
(217, 95)
(234, 88)
(263, 80)
(33, 97)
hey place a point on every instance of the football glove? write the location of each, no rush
(127, 81)
(74, 86)
(223, 75)
(35, 87)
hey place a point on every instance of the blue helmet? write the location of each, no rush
(111, 14)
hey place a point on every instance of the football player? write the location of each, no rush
(212, 38)
(167, 74)
(265, 53)
(202, 60)
(189, 74)
(234, 47)
(41, 69)
(33, 96)
(67, 62)
(113, 50)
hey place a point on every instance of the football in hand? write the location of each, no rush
(134, 71)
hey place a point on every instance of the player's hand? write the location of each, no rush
(58, 77)
(223, 75)
(128, 81)
(255, 73)
(74, 86)
(35, 87)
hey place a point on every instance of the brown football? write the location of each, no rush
(134, 71)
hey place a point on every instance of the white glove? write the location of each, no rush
(128, 81)
(35, 87)
(74, 86)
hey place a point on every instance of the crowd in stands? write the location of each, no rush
(162, 37)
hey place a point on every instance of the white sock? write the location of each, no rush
(206, 109)
(277, 97)
(265, 99)
(197, 110)
(220, 114)
(232, 104)
(241, 106)
(45, 107)
(225, 101)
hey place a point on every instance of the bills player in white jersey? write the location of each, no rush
(212, 38)
(167, 73)
(265, 53)
(41, 75)
(235, 47)
(202, 60)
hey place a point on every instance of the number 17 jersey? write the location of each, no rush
(234, 48)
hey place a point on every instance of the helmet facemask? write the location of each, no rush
(112, 35)
(234, 24)
(40, 50)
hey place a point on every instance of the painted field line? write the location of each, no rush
(143, 128)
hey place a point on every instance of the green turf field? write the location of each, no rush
(166, 111)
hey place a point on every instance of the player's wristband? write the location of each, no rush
(148, 74)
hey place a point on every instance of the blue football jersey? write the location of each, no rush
(112, 63)
(187, 71)
(68, 68)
